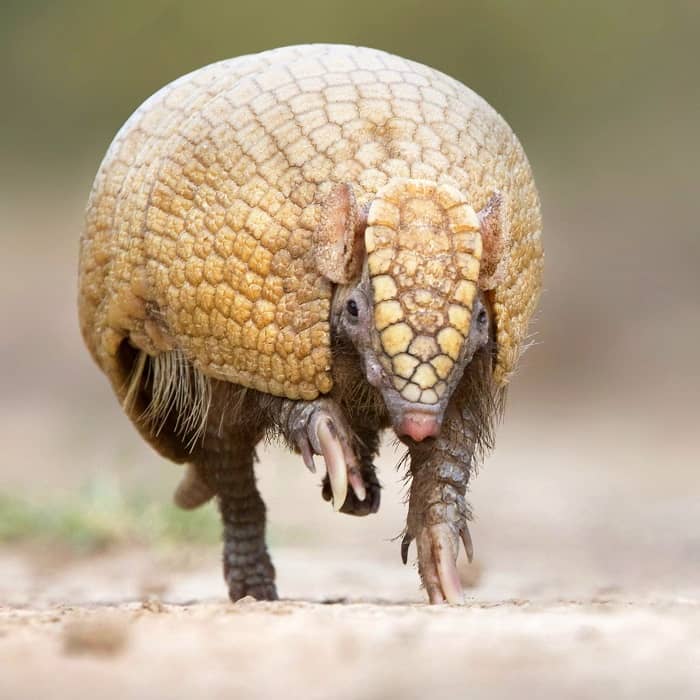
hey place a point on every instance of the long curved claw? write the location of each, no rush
(467, 541)
(357, 483)
(427, 566)
(320, 429)
(365, 496)
(307, 454)
(437, 561)
(445, 553)
(405, 544)
(327, 437)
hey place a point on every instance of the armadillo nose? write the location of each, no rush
(419, 425)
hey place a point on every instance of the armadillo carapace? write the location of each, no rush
(315, 242)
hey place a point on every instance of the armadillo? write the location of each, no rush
(314, 243)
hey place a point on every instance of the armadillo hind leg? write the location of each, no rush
(227, 465)
(320, 428)
(367, 449)
(437, 510)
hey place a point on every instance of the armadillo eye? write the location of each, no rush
(482, 317)
(351, 306)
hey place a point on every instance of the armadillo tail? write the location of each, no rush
(192, 491)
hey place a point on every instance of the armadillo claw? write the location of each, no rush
(320, 428)
(467, 541)
(437, 563)
(332, 451)
(306, 453)
(405, 544)
(368, 488)
(331, 439)
(357, 483)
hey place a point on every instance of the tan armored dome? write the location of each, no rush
(199, 225)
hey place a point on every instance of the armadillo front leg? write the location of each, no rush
(230, 472)
(437, 511)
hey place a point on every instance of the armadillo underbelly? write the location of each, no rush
(199, 225)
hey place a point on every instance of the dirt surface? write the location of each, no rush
(142, 624)
(586, 585)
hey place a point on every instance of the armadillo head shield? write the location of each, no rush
(424, 250)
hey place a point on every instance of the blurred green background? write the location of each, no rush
(605, 97)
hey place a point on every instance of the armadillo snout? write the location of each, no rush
(419, 425)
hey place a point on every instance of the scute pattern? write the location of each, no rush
(199, 225)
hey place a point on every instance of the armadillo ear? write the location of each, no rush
(339, 238)
(494, 240)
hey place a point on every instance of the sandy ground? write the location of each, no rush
(138, 624)
(586, 585)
